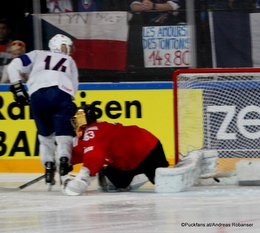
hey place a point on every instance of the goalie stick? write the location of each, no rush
(24, 185)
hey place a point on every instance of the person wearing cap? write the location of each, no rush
(15, 49)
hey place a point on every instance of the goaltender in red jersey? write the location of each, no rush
(123, 157)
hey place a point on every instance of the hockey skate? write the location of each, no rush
(104, 183)
(65, 167)
(49, 174)
(138, 181)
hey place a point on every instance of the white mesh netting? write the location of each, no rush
(219, 111)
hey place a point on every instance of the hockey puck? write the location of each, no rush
(216, 179)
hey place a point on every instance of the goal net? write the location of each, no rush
(218, 110)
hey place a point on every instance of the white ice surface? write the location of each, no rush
(35, 210)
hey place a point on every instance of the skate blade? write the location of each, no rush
(49, 188)
(50, 185)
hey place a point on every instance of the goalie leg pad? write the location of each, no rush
(138, 181)
(183, 176)
(209, 163)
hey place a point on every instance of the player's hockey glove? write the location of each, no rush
(20, 94)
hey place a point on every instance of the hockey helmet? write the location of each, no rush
(56, 42)
(85, 115)
(91, 115)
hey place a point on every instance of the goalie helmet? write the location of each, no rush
(90, 113)
(56, 42)
(85, 115)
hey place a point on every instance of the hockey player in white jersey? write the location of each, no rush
(52, 84)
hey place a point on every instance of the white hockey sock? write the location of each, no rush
(47, 148)
(64, 146)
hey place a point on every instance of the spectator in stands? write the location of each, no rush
(15, 49)
(218, 5)
(114, 5)
(58, 6)
(257, 3)
(242, 5)
(100, 5)
(161, 12)
(4, 35)
(5, 40)
(88, 5)
(223, 5)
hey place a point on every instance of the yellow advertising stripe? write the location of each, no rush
(26, 166)
(229, 164)
(21, 165)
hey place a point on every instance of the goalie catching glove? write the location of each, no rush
(20, 94)
(78, 185)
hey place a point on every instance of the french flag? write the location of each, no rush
(100, 38)
(235, 39)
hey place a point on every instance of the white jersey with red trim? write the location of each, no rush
(45, 69)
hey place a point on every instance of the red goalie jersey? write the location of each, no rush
(103, 143)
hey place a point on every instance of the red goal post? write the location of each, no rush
(217, 109)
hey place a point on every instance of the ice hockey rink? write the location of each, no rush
(204, 208)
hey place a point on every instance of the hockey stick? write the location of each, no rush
(24, 185)
(218, 176)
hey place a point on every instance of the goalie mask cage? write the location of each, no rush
(217, 109)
